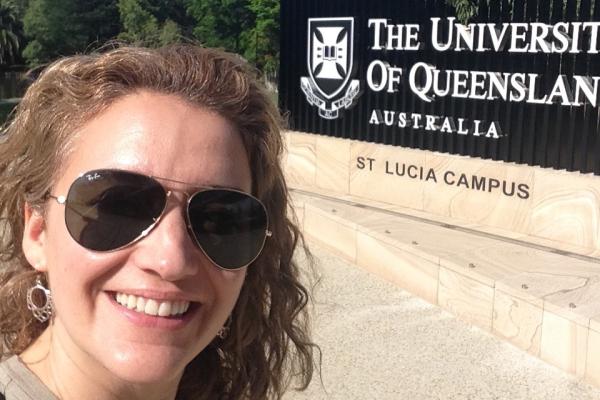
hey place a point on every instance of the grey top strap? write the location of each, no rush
(17, 382)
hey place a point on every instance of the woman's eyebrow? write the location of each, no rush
(197, 185)
(224, 187)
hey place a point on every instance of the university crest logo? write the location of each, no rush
(330, 58)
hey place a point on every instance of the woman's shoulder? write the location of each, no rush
(17, 382)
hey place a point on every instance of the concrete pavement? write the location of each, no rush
(380, 342)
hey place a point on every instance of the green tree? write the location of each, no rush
(62, 27)
(139, 25)
(98, 20)
(17, 6)
(465, 9)
(174, 10)
(223, 23)
(263, 46)
(151, 23)
(247, 27)
(10, 35)
(52, 30)
(169, 33)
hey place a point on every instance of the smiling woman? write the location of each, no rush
(147, 253)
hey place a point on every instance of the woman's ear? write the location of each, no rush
(34, 236)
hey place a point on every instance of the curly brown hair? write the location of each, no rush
(269, 342)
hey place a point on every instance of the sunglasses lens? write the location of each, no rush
(108, 209)
(229, 226)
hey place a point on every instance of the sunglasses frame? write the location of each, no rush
(61, 199)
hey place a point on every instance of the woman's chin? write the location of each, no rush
(147, 368)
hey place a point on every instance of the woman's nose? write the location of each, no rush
(168, 250)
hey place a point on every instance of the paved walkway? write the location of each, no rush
(379, 342)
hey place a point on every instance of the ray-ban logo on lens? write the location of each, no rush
(330, 61)
(93, 177)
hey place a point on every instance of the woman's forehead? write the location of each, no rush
(162, 135)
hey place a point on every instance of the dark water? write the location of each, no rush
(12, 88)
(11, 85)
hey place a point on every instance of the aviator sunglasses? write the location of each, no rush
(109, 209)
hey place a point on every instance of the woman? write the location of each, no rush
(146, 248)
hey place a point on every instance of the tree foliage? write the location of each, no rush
(139, 25)
(263, 47)
(61, 27)
(247, 27)
(18, 7)
(465, 9)
(11, 34)
(46, 29)
(154, 22)
(99, 19)
(49, 35)
(222, 23)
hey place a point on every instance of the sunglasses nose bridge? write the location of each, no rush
(175, 203)
(171, 194)
(167, 247)
(185, 205)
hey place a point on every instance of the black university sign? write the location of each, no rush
(519, 81)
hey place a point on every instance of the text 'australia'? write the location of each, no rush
(436, 123)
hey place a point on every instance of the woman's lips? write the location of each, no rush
(150, 306)
(177, 313)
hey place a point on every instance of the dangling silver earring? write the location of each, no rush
(224, 331)
(44, 312)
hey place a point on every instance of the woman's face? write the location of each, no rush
(160, 135)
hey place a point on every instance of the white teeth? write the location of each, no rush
(131, 302)
(164, 309)
(141, 304)
(152, 306)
